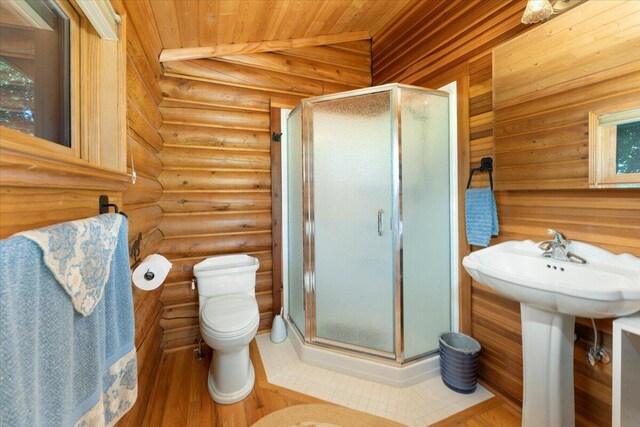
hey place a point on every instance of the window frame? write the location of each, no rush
(74, 71)
(74, 92)
(603, 154)
(98, 123)
(74, 80)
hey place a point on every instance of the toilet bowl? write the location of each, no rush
(229, 319)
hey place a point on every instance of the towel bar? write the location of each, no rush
(486, 164)
(104, 205)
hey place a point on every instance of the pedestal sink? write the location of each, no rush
(551, 294)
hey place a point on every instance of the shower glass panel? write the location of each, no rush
(426, 257)
(369, 221)
(295, 220)
(352, 209)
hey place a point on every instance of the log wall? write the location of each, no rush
(217, 161)
(140, 200)
(45, 187)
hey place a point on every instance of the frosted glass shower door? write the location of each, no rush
(426, 254)
(295, 220)
(351, 146)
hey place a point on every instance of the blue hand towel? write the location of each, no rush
(58, 366)
(79, 253)
(481, 216)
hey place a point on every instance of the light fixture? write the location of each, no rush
(536, 11)
(102, 16)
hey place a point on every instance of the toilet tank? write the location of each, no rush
(226, 275)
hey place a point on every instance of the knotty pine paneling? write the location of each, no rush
(432, 36)
(596, 42)
(543, 96)
(608, 218)
(216, 158)
(409, 51)
(183, 23)
(541, 142)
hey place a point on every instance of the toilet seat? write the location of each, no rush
(230, 315)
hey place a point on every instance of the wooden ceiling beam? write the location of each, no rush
(187, 53)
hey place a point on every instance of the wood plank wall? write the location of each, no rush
(413, 50)
(543, 96)
(217, 167)
(140, 200)
(608, 218)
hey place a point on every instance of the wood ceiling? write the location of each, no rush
(194, 23)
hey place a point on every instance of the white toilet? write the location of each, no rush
(229, 320)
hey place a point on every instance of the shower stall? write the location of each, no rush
(369, 239)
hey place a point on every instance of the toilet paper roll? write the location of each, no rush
(151, 272)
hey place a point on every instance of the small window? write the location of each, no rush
(614, 149)
(628, 148)
(35, 69)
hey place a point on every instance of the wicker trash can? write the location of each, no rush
(459, 355)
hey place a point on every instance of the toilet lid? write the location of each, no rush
(230, 313)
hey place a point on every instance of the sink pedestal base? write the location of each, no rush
(547, 346)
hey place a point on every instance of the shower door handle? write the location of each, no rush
(380, 222)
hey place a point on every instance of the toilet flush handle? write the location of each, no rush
(193, 284)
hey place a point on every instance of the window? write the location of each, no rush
(628, 148)
(35, 63)
(63, 91)
(614, 148)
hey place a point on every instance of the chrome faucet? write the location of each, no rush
(558, 248)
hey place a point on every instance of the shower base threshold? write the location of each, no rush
(364, 367)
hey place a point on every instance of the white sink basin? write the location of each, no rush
(607, 286)
(551, 293)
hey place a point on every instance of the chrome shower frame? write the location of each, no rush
(309, 287)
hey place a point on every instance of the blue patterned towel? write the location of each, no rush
(481, 216)
(58, 366)
(78, 254)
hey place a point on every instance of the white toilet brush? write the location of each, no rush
(278, 329)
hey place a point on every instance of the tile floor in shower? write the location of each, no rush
(417, 405)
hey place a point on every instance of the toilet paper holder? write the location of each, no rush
(151, 272)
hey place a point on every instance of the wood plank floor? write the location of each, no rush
(180, 398)
(494, 412)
